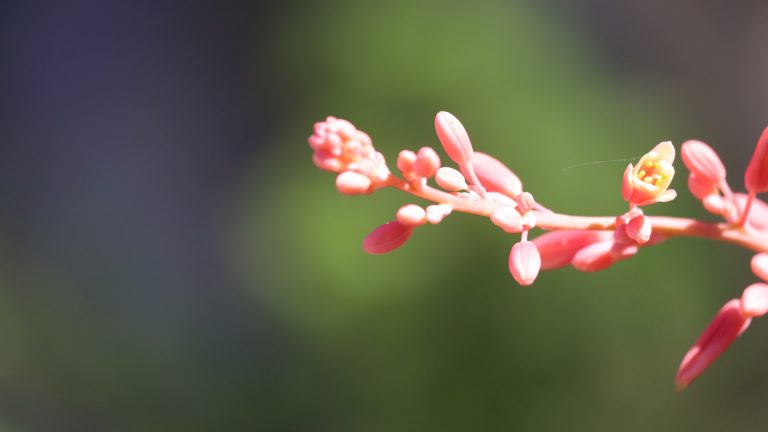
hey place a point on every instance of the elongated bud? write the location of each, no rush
(703, 161)
(508, 219)
(647, 183)
(353, 183)
(450, 179)
(759, 266)
(453, 137)
(387, 238)
(427, 162)
(495, 176)
(557, 248)
(524, 262)
(725, 328)
(412, 215)
(754, 300)
(701, 187)
(594, 257)
(756, 175)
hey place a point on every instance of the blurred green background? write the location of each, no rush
(172, 260)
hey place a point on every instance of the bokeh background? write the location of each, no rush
(170, 259)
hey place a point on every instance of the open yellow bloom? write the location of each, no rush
(647, 182)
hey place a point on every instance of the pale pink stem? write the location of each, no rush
(747, 207)
(666, 226)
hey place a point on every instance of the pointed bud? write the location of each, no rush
(353, 183)
(756, 175)
(647, 182)
(754, 300)
(639, 229)
(386, 238)
(594, 257)
(524, 262)
(727, 325)
(701, 187)
(557, 248)
(450, 179)
(495, 176)
(508, 219)
(411, 215)
(703, 161)
(427, 162)
(759, 266)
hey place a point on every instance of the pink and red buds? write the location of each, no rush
(726, 327)
(338, 146)
(647, 182)
(756, 175)
(495, 176)
(453, 137)
(508, 219)
(703, 162)
(524, 262)
(387, 238)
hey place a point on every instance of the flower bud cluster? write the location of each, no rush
(482, 185)
(339, 147)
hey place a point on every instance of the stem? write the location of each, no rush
(747, 207)
(547, 220)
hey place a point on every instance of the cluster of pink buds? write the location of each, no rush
(484, 186)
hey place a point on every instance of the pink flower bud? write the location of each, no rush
(647, 182)
(701, 187)
(759, 266)
(703, 161)
(754, 300)
(756, 175)
(427, 162)
(453, 137)
(557, 248)
(405, 162)
(508, 219)
(639, 229)
(411, 215)
(525, 202)
(594, 257)
(386, 238)
(524, 262)
(450, 179)
(495, 176)
(727, 325)
(353, 183)
(436, 213)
